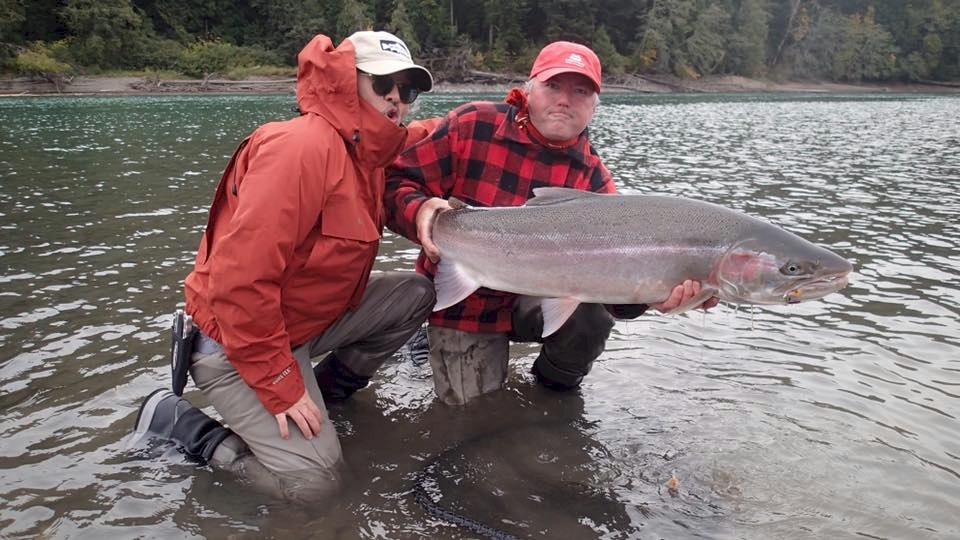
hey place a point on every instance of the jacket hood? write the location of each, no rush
(327, 86)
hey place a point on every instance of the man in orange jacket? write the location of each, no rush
(283, 274)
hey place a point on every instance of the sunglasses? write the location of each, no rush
(383, 85)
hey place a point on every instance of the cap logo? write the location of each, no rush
(575, 59)
(395, 47)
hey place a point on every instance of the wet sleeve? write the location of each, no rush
(420, 172)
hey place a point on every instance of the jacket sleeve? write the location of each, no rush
(420, 172)
(275, 210)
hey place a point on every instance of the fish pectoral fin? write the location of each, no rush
(556, 311)
(694, 302)
(452, 285)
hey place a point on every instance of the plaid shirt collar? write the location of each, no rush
(511, 130)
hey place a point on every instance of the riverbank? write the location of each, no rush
(715, 84)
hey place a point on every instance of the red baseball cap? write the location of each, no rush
(566, 57)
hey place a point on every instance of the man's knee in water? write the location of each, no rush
(567, 356)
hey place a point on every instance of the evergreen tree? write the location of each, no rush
(436, 26)
(107, 32)
(401, 26)
(619, 19)
(12, 16)
(663, 31)
(43, 20)
(612, 61)
(843, 47)
(748, 41)
(570, 20)
(354, 16)
(831, 39)
(706, 46)
(285, 26)
(504, 21)
(867, 53)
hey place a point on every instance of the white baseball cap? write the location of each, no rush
(382, 53)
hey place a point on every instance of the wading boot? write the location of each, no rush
(336, 381)
(167, 417)
(417, 348)
(552, 377)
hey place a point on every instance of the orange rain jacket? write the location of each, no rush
(294, 227)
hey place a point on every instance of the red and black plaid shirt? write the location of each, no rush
(484, 157)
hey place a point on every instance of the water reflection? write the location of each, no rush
(828, 419)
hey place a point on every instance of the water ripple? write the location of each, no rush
(829, 419)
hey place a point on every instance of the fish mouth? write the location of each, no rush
(815, 288)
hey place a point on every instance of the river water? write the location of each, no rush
(838, 418)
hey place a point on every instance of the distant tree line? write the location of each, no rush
(836, 40)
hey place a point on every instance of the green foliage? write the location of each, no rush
(12, 17)
(707, 45)
(845, 48)
(913, 66)
(436, 29)
(162, 54)
(402, 27)
(661, 41)
(524, 61)
(504, 24)
(496, 59)
(44, 60)
(684, 37)
(571, 20)
(205, 58)
(746, 48)
(613, 62)
(285, 26)
(868, 52)
(353, 16)
(831, 39)
(106, 33)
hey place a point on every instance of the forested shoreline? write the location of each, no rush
(844, 41)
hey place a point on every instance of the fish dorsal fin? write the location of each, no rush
(556, 311)
(457, 204)
(557, 195)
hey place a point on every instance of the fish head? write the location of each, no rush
(787, 271)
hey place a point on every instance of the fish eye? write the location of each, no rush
(791, 269)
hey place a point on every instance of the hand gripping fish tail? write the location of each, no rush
(183, 335)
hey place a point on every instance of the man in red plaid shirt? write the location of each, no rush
(495, 154)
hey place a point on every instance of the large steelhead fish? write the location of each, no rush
(571, 246)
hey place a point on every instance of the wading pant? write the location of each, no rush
(468, 364)
(393, 306)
